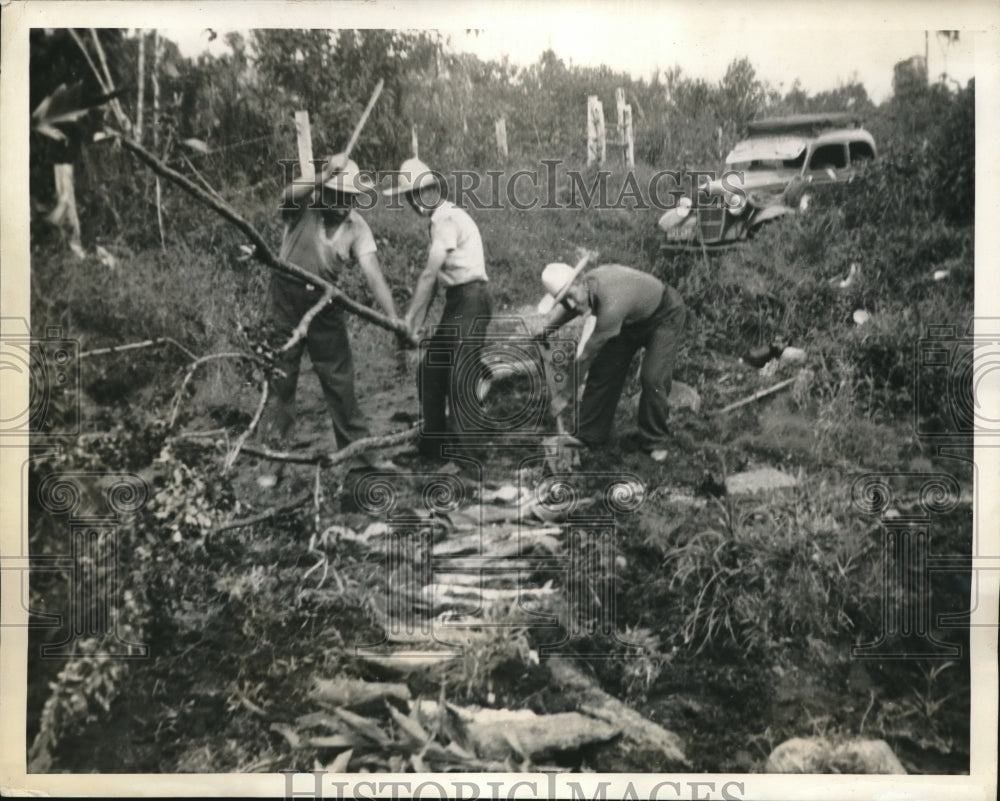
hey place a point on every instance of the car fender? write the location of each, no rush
(671, 219)
(771, 213)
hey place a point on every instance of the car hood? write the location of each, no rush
(767, 148)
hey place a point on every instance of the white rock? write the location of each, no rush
(800, 755)
(683, 396)
(764, 478)
(793, 356)
(867, 757)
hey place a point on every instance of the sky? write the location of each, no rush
(820, 59)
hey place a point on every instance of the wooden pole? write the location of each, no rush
(156, 131)
(414, 142)
(629, 141)
(596, 139)
(501, 130)
(620, 109)
(303, 137)
(591, 130)
(602, 138)
(363, 119)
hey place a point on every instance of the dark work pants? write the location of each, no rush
(660, 335)
(329, 351)
(451, 365)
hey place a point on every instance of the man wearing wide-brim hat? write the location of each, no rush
(451, 367)
(325, 235)
(630, 310)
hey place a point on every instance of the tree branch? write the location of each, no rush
(241, 441)
(261, 250)
(274, 511)
(175, 406)
(335, 458)
(134, 345)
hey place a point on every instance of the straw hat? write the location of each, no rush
(557, 278)
(413, 174)
(348, 179)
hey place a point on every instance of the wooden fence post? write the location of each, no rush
(629, 140)
(501, 129)
(596, 139)
(620, 108)
(303, 138)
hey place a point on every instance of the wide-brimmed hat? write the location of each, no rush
(557, 278)
(413, 175)
(348, 179)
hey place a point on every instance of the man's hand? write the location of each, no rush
(332, 166)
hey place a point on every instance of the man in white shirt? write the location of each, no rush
(451, 362)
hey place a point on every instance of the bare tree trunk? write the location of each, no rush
(157, 51)
(64, 214)
(142, 86)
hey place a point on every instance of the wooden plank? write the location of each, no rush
(303, 138)
(344, 691)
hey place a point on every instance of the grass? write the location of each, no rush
(719, 594)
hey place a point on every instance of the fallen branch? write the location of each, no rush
(136, 345)
(175, 406)
(264, 253)
(756, 396)
(201, 178)
(267, 514)
(281, 456)
(235, 452)
(329, 460)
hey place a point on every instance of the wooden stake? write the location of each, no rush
(596, 141)
(501, 130)
(602, 138)
(629, 141)
(620, 108)
(303, 137)
(157, 52)
(414, 142)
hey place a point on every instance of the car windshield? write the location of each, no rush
(761, 165)
(768, 153)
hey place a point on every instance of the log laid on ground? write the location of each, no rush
(500, 542)
(403, 662)
(492, 732)
(442, 593)
(343, 691)
(635, 728)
